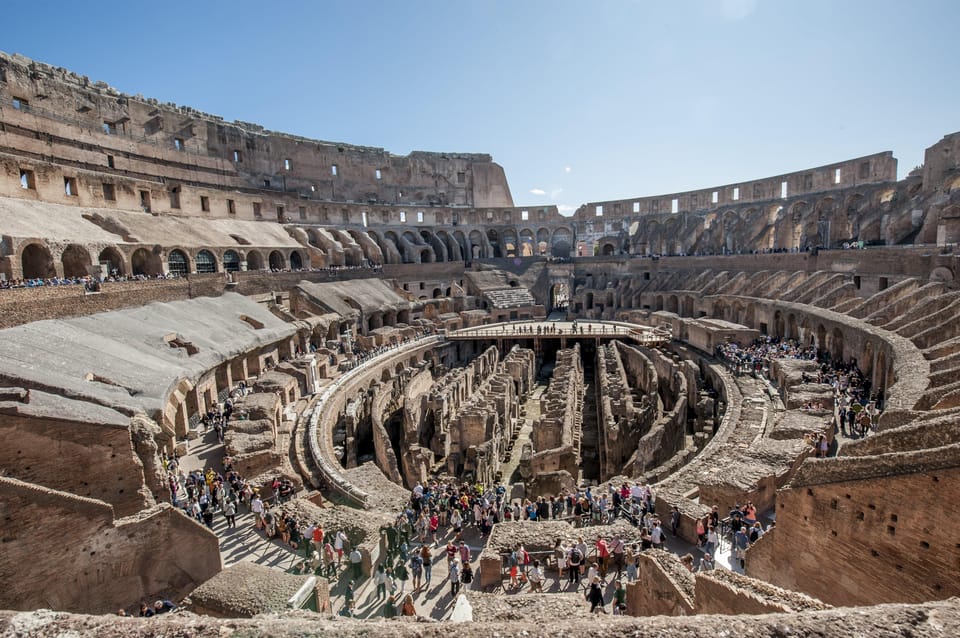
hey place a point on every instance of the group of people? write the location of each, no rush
(90, 282)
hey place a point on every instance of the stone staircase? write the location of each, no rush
(510, 298)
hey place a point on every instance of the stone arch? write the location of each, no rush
(608, 249)
(494, 238)
(793, 330)
(543, 242)
(439, 247)
(527, 248)
(231, 261)
(561, 244)
(76, 261)
(254, 260)
(820, 338)
(941, 273)
(750, 315)
(778, 324)
(454, 253)
(145, 262)
(509, 243)
(672, 304)
(205, 262)
(827, 222)
(836, 344)
(477, 249)
(461, 240)
(296, 261)
(113, 260)
(277, 262)
(36, 262)
(177, 262)
(686, 306)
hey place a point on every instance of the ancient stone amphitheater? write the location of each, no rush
(391, 319)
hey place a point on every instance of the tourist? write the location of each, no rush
(454, 577)
(230, 513)
(380, 580)
(535, 577)
(427, 564)
(408, 609)
(620, 598)
(416, 569)
(595, 596)
(466, 574)
(574, 562)
(356, 560)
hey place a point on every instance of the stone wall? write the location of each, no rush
(863, 530)
(663, 587)
(725, 592)
(95, 563)
(87, 459)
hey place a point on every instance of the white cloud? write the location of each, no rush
(567, 169)
(737, 9)
(555, 193)
(566, 209)
(538, 191)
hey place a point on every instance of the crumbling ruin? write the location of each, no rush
(153, 258)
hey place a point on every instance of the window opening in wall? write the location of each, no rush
(599, 211)
(783, 190)
(109, 193)
(378, 174)
(70, 186)
(109, 128)
(636, 207)
(736, 193)
(884, 283)
(419, 216)
(836, 176)
(110, 161)
(145, 201)
(27, 180)
(524, 215)
(715, 197)
(279, 213)
(20, 104)
(256, 210)
(461, 177)
(286, 164)
(237, 156)
(178, 143)
(675, 205)
(333, 170)
(403, 217)
(303, 212)
(175, 197)
(205, 203)
(266, 183)
(231, 207)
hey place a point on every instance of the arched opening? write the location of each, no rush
(254, 260)
(276, 260)
(562, 243)
(426, 256)
(144, 262)
(296, 261)
(113, 260)
(231, 261)
(206, 262)
(177, 262)
(37, 263)
(836, 345)
(494, 240)
(76, 261)
(608, 249)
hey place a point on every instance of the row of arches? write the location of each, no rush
(779, 225)
(37, 261)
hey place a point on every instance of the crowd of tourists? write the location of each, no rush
(89, 282)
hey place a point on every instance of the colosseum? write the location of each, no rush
(280, 385)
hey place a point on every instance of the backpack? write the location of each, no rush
(576, 557)
(512, 561)
(526, 558)
(754, 535)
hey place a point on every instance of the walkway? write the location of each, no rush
(642, 335)
(510, 469)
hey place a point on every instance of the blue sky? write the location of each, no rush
(579, 101)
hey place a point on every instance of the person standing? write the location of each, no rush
(595, 596)
(230, 513)
(454, 575)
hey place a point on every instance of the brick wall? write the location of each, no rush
(89, 562)
(873, 540)
(84, 459)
